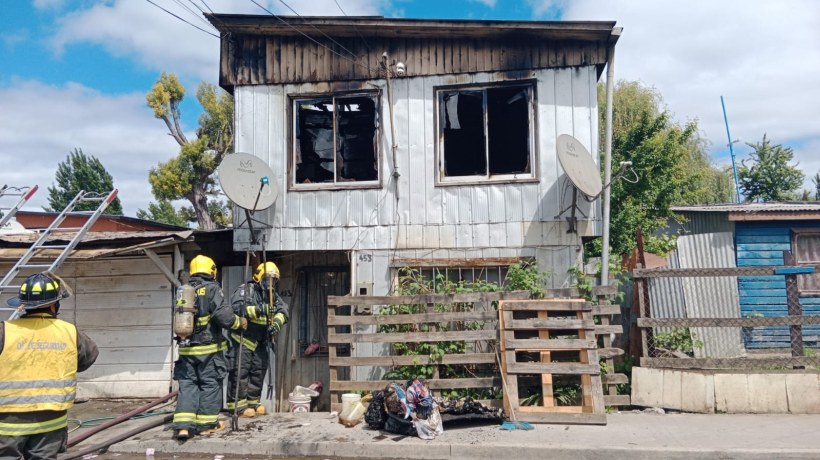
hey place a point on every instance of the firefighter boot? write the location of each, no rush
(183, 434)
(249, 413)
(260, 410)
(220, 425)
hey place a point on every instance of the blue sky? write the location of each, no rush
(74, 72)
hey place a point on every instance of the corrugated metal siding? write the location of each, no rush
(762, 244)
(666, 298)
(715, 297)
(706, 222)
(426, 216)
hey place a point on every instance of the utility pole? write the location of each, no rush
(731, 150)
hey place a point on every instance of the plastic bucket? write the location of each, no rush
(349, 399)
(299, 403)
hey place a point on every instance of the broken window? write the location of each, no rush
(336, 139)
(806, 250)
(486, 133)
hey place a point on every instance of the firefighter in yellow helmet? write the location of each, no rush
(201, 369)
(266, 318)
(40, 356)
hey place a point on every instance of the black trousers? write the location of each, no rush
(43, 446)
(200, 391)
(250, 377)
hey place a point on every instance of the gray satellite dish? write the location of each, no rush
(247, 181)
(579, 166)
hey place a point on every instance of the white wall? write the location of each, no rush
(426, 216)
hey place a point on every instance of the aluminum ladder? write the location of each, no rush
(23, 192)
(40, 244)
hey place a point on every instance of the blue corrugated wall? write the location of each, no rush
(762, 244)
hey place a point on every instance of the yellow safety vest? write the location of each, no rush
(39, 365)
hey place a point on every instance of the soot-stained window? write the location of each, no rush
(336, 139)
(486, 133)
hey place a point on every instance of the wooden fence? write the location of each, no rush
(359, 317)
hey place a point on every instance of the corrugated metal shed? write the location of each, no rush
(715, 297)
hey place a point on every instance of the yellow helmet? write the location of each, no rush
(203, 265)
(269, 268)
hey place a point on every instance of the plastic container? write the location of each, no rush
(304, 391)
(353, 414)
(349, 399)
(299, 403)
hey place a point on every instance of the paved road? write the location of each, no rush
(632, 436)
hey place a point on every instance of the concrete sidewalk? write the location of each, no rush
(631, 436)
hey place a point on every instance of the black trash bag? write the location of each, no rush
(396, 424)
(376, 415)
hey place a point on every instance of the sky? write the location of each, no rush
(74, 73)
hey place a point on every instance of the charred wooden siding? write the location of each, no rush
(260, 60)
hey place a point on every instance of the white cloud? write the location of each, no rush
(762, 56)
(489, 3)
(161, 42)
(41, 124)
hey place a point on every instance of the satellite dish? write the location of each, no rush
(579, 166)
(247, 181)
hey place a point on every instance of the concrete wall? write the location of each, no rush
(727, 392)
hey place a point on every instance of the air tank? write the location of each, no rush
(184, 312)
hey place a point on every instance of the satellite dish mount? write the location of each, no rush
(583, 173)
(246, 180)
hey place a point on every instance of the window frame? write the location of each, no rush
(293, 99)
(441, 180)
(796, 233)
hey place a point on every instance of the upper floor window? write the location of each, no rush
(486, 133)
(335, 140)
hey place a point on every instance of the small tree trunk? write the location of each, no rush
(199, 200)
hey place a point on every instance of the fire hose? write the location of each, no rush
(116, 439)
(87, 434)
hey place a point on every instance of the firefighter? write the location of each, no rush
(200, 369)
(40, 356)
(264, 324)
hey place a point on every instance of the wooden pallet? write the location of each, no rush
(541, 321)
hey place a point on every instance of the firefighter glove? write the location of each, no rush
(276, 324)
(243, 323)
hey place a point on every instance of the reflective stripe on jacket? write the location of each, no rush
(39, 363)
(203, 349)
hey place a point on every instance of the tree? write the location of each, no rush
(816, 181)
(670, 161)
(189, 175)
(767, 175)
(81, 172)
(163, 211)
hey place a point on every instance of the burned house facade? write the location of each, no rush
(399, 142)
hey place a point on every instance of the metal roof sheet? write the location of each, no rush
(795, 206)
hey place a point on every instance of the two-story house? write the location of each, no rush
(404, 142)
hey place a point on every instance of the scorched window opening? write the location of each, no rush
(336, 139)
(486, 133)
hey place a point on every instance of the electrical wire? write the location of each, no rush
(367, 45)
(183, 20)
(318, 30)
(296, 29)
(194, 13)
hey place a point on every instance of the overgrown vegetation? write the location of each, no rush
(679, 339)
(411, 281)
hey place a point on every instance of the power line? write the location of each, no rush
(183, 20)
(188, 9)
(317, 30)
(314, 40)
(367, 45)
